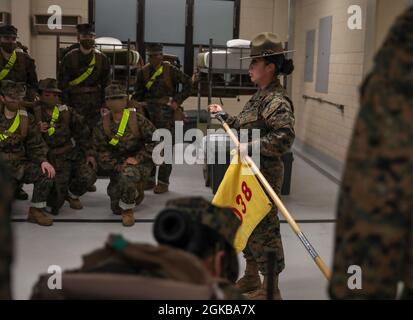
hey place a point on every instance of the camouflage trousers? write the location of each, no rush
(73, 177)
(381, 246)
(88, 105)
(162, 117)
(266, 235)
(31, 173)
(122, 188)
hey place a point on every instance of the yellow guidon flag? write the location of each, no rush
(241, 191)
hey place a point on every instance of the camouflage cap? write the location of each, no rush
(14, 90)
(266, 44)
(49, 84)
(115, 91)
(86, 28)
(222, 220)
(8, 30)
(154, 48)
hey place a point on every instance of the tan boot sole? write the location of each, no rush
(248, 289)
(127, 224)
(33, 220)
(80, 207)
(76, 208)
(156, 191)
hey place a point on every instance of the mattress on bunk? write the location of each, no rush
(115, 50)
(121, 56)
(223, 59)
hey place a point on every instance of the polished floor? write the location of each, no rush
(312, 204)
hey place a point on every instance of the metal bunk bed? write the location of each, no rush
(243, 83)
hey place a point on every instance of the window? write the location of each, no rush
(116, 19)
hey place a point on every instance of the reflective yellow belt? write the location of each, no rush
(85, 74)
(12, 129)
(9, 65)
(55, 117)
(122, 127)
(154, 77)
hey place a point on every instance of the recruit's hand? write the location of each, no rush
(214, 108)
(91, 161)
(43, 126)
(173, 104)
(131, 161)
(49, 169)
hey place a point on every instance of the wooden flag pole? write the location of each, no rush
(278, 203)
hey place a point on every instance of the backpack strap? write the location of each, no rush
(107, 121)
(24, 122)
(133, 122)
(167, 76)
(65, 113)
(145, 72)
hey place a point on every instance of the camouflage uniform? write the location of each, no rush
(157, 99)
(6, 241)
(73, 175)
(270, 111)
(24, 150)
(24, 69)
(122, 188)
(88, 96)
(375, 217)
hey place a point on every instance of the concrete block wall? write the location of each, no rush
(322, 126)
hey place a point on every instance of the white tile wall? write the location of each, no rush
(323, 126)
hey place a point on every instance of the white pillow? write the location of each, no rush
(108, 43)
(238, 43)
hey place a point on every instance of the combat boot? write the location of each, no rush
(161, 188)
(114, 205)
(261, 292)
(20, 194)
(141, 194)
(149, 185)
(128, 219)
(92, 188)
(75, 204)
(38, 216)
(251, 280)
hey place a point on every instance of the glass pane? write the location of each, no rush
(114, 20)
(213, 19)
(165, 21)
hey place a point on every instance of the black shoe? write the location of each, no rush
(92, 189)
(115, 208)
(20, 194)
